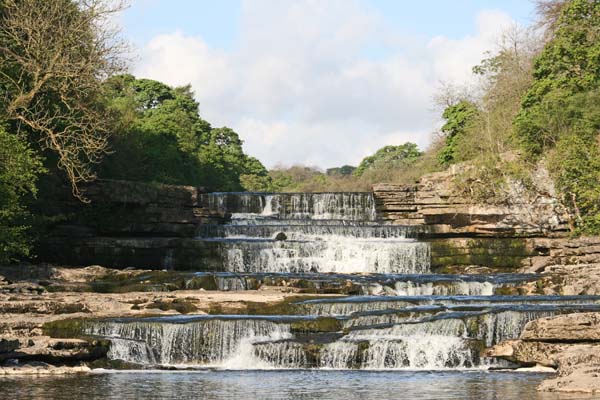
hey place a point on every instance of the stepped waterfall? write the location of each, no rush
(401, 315)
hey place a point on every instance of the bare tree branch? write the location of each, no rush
(54, 55)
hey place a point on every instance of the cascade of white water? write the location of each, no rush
(408, 288)
(311, 230)
(425, 345)
(131, 350)
(441, 327)
(209, 341)
(336, 254)
(420, 352)
(231, 283)
(350, 307)
(340, 355)
(387, 318)
(497, 327)
(318, 206)
(282, 354)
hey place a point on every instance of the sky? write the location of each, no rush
(317, 82)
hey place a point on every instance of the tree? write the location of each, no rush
(160, 137)
(389, 157)
(560, 114)
(569, 64)
(297, 178)
(54, 55)
(459, 118)
(19, 169)
(158, 132)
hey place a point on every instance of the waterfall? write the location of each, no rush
(282, 354)
(411, 337)
(497, 327)
(310, 233)
(409, 288)
(331, 254)
(204, 341)
(318, 206)
(420, 352)
(408, 318)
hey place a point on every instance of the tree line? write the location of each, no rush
(71, 113)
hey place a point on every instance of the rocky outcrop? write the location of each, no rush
(135, 252)
(132, 224)
(570, 343)
(554, 253)
(583, 327)
(435, 203)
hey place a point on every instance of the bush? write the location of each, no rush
(19, 168)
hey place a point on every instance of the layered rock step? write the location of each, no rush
(429, 291)
(355, 332)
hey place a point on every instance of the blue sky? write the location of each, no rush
(320, 82)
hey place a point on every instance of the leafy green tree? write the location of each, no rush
(569, 64)
(389, 157)
(574, 161)
(459, 118)
(297, 178)
(256, 183)
(560, 114)
(157, 132)
(19, 169)
(160, 137)
(224, 159)
(54, 55)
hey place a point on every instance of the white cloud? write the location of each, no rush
(298, 87)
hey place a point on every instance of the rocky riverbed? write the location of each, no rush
(33, 298)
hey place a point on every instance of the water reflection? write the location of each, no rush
(305, 385)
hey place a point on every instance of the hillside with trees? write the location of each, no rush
(71, 114)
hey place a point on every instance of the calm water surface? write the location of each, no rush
(302, 384)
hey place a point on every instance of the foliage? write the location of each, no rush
(19, 168)
(492, 180)
(389, 157)
(297, 178)
(560, 114)
(569, 64)
(404, 165)
(575, 160)
(459, 117)
(53, 57)
(160, 137)
(224, 161)
(483, 132)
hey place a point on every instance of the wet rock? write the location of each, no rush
(389, 291)
(8, 345)
(569, 342)
(280, 236)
